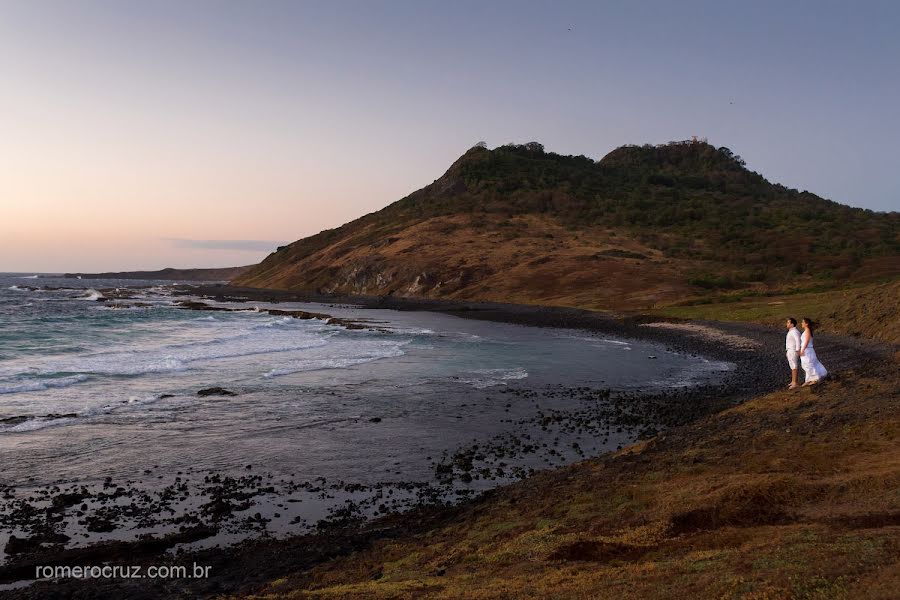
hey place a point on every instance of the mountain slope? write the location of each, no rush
(644, 226)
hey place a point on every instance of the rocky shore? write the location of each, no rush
(373, 514)
(756, 349)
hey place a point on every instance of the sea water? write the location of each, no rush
(92, 389)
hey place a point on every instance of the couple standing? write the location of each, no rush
(801, 346)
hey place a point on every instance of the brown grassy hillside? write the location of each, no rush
(522, 259)
(644, 226)
(870, 311)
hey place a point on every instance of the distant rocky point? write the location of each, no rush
(169, 274)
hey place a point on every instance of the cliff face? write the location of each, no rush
(644, 226)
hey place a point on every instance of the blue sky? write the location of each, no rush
(141, 126)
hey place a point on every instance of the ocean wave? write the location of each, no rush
(110, 408)
(316, 364)
(29, 277)
(410, 330)
(251, 349)
(168, 364)
(281, 321)
(133, 363)
(28, 423)
(160, 290)
(595, 339)
(36, 423)
(41, 384)
(35, 379)
(486, 378)
(91, 294)
(129, 360)
(696, 372)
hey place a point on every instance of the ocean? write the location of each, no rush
(93, 392)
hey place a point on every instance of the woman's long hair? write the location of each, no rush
(810, 324)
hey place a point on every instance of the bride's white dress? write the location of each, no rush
(810, 362)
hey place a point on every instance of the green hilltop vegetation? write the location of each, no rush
(690, 201)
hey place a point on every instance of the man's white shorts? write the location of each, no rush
(793, 358)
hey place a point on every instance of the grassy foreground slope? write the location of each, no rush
(790, 495)
(867, 311)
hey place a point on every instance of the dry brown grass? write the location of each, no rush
(527, 259)
(790, 495)
(869, 311)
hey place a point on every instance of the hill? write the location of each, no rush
(170, 274)
(645, 226)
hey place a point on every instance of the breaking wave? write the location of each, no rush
(379, 351)
(40, 384)
(91, 294)
(485, 378)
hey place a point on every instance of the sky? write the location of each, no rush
(142, 135)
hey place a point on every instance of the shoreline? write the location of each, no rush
(239, 568)
(762, 361)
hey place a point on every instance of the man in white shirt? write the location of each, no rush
(792, 349)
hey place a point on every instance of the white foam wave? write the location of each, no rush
(312, 344)
(38, 423)
(175, 359)
(410, 330)
(486, 378)
(279, 321)
(91, 294)
(42, 422)
(596, 339)
(378, 352)
(41, 384)
(109, 408)
(168, 364)
(696, 372)
(29, 277)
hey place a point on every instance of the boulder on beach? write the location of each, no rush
(216, 391)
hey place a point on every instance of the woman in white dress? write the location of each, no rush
(814, 370)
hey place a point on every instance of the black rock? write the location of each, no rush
(216, 391)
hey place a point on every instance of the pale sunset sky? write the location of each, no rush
(143, 135)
